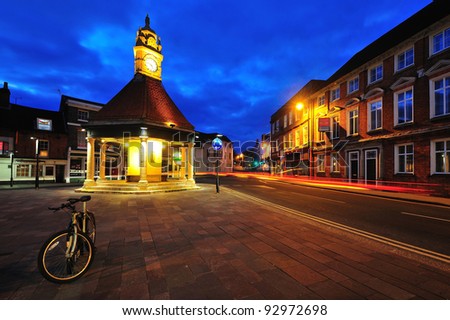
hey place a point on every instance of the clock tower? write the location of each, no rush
(147, 52)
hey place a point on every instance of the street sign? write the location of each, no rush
(217, 144)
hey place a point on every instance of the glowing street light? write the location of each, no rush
(36, 184)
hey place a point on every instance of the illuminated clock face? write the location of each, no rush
(151, 64)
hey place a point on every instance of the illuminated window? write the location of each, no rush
(4, 147)
(23, 170)
(297, 138)
(440, 157)
(305, 137)
(43, 148)
(335, 162)
(404, 158)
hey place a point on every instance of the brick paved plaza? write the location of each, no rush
(203, 245)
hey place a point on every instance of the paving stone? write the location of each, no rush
(203, 245)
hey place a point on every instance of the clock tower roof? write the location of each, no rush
(144, 100)
(148, 38)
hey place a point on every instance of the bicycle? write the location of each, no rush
(67, 254)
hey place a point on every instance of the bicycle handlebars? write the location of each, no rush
(70, 203)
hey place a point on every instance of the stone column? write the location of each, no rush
(102, 175)
(90, 167)
(143, 157)
(190, 161)
(184, 162)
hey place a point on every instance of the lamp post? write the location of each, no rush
(36, 183)
(310, 120)
(11, 156)
(217, 145)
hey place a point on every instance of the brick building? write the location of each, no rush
(383, 116)
(30, 136)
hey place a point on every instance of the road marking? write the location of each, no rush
(426, 217)
(265, 187)
(391, 242)
(323, 198)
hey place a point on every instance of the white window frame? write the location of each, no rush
(335, 94)
(444, 45)
(433, 156)
(404, 54)
(396, 105)
(305, 134)
(378, 113)
(433, 97)
(335, 127)
(402, 157)
(353, 85)
(375, 69)
(297, 138)
(320, 163)
(81, 139)
(44, 148)
(83, 115)
(321, 100)
(352, 122)
(335, 165)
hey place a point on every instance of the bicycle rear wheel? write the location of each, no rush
(56, 266)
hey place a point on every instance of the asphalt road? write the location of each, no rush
(421, 225)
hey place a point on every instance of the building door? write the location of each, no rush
(354, 166)
(371, 165)
(60, 172)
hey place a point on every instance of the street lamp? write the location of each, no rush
(217, 145)
(36, 183)
(300, 106)
(11, 158)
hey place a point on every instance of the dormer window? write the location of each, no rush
(83, 115)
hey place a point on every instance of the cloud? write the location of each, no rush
(228, 65)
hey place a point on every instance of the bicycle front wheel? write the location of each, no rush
(91, 229)
(57, 263)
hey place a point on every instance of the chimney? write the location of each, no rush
(5, 95)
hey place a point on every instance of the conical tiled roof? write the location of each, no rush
(145, 100)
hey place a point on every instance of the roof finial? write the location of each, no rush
(147, 21)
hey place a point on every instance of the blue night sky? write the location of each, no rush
(228, 65)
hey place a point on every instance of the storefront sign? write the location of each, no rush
(324, 124)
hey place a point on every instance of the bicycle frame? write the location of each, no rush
(73, 227)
